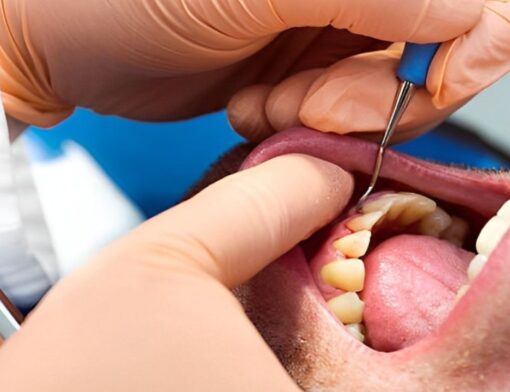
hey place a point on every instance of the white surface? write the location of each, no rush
(488, 114)
(34, 223)
(84, 210)
(22, 278)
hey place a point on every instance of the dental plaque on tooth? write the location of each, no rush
(397, 267)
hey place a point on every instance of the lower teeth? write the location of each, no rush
(402, 210)
(357, 331)
(347, 307)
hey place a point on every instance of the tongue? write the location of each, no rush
(410, 287)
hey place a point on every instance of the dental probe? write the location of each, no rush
(412, 72)
(8, 317)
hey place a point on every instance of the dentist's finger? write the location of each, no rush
(357, 95)
(237, 226)
(354, 95)
(474, 61)
(390, 20)
(257, 111)
(247, 115)
(227, 29)
(284, 102)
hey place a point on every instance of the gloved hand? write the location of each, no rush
(167, 59)
(153, 312)
(356, 93)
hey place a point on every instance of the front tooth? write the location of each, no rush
(504, 210)
(356, 330)
(457, 232)
(491, 234)
(416, 208)
(347, 274)
(354, 245)
(476, 265)
(348, 308)
(433, 224)
(365, 221)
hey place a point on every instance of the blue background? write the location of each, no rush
(155, 164)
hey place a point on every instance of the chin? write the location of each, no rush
(408, 293)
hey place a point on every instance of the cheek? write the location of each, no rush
(284, 304)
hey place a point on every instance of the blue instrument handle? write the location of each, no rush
(415, 62)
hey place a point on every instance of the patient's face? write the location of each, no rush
(408, 293)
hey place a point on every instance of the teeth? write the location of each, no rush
(348, 274)
(491, 234)
(348, 308)
(457, 232)
(402, 201)
(418, 207)
(487, 240)
(433, 224)
(365, 221)
(476, 265)
(356, 330)
(354, 245)
(409, 207)
(504, 210)
(383, 204)
(462, 290)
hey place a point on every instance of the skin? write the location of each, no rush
(153, 311)
(124, 58)
(310, 345)
(156, 289)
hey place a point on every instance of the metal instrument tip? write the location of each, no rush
(401, 102)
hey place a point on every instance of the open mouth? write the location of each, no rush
(413, 278)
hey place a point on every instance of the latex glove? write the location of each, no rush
(167, 59)
(356, 94)
(154, 312)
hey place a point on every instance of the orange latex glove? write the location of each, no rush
(167, 59)
(153, 312)
(356, 93)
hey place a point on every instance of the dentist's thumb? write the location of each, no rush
(237, 226)
(153, 311)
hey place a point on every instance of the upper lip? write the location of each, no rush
(477, 326)
(449, 184)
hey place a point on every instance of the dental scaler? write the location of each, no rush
(412, 72)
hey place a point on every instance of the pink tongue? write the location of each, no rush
(410, 287)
